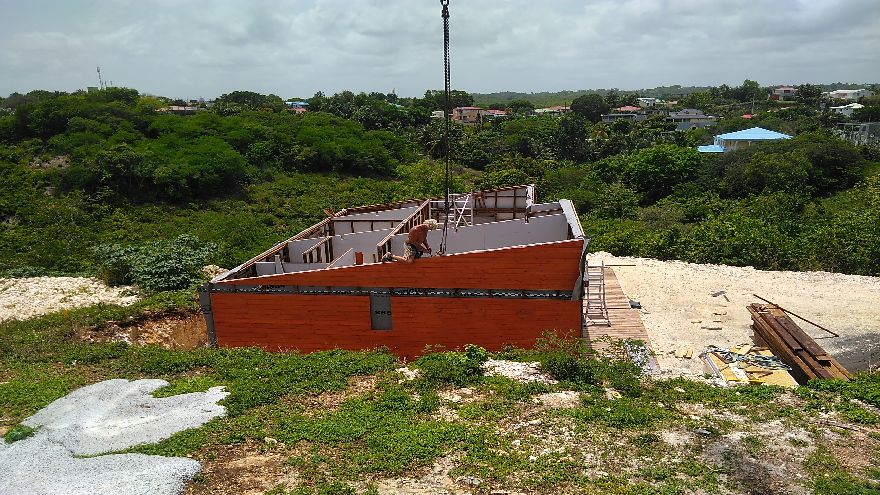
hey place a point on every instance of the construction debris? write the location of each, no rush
(684, 353)
(807, 359)
(747, 364)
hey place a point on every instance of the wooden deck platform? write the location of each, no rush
(626, 323)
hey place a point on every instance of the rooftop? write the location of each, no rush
(710, 148)
(854, 106)
(753, 134)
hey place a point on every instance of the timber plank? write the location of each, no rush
(805, 356)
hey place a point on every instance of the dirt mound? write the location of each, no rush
(171, 331)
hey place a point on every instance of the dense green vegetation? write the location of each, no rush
(92, 175)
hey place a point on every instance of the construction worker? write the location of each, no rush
(416, 243)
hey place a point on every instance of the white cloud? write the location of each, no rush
(297, 47)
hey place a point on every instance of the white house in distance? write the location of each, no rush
(783, 93)
(849, 94)
(741, 139)
(847, 110)
(646, 102)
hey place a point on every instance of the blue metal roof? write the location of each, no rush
(710, 148)
(753, 134)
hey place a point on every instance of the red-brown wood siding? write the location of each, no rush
(311, 323)
(280, 322)
(543, 266)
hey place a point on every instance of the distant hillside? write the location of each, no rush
(548, 98)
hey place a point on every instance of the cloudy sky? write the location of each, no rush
(186, 48)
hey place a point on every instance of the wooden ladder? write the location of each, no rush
(597, 308)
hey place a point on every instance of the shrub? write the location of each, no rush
(569, 359)
(19, 432)
(501, 178)
(454, 367)
(157, 266)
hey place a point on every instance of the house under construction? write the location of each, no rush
(512, 269)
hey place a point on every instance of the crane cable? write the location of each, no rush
(446, 113)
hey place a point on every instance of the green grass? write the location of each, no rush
(19, 432)
(393, 429)
(830, 479)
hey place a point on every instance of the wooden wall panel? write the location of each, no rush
(552, 266)
(308, 323)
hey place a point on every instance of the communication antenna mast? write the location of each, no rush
(100, 81)
(446, 111)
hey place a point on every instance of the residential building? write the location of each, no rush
(849, 94)
(437, 114)
(686, 126)
(179, 110)
(692, 116)
(297, 106)
(630, 116)
(511, 270)
(847, 110)
(649, 102)
(865, 133)
(783, 93)
(495, 114)
(628, 108)
(554, 110)
(741, 139)
(467, 115)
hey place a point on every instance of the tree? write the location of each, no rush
(867, 114)
(520, 107)
(654, 172)
(749, 91)
(612, 98)
(590, 106)
(501, 178)
(249, 100)
(436, 100)
(809, 94)
(572, 139)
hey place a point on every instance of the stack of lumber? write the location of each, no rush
(790, 343)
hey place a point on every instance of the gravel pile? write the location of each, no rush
(106, 417)
(23, 298)
(522, 372)
(688, 305)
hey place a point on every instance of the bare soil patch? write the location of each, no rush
(250, 468)
(171, 331)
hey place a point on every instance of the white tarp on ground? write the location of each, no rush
(106, 417)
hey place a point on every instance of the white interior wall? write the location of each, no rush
(546, 228)
(364, 242)
(341, 228)
(344, 259)
(298, 247)
(393, 214)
